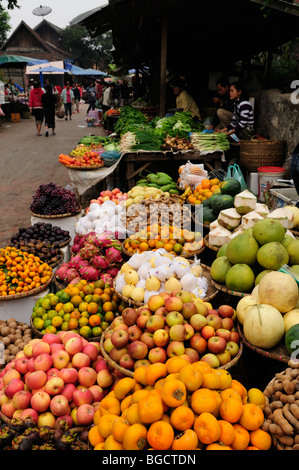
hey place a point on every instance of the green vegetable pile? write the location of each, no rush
(180, 125)
(159, 180)
(130, 120)
(210, 142)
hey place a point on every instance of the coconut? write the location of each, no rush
(262, 209)
(229, 219)
(284, 216)
(219, 236)
(250, 219)
(245, 202)
(295, 211)
(214, 225)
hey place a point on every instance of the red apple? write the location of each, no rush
(207, 332)
(148, 339)
(13, 386)
(162, 311)
(81, 396)
(59, 405)
(232, 348)
(101, 364)
(141, 362)
(155, 322)
(216, 344)
(40, 401)
(87, 376)
(52, 372)
(175, 348)
(65, 418)
(120, 326)
(8, 408)
(157, 354)
(40, 347)
(224, 358)
(235, 337)
(21, 365)
(54, 386)
(85, 414)
(177, 333)
(56, 347)
(134, 332)
(116, 354)
(129, 316)
(227, 323)
(161, 337)
(226, 334)
(46, 419)
(198, 343)
(74, 345)
(188, 310)
(226, 311)
(174, 318)
(214, 320)
(51, 338)
(193, 355)
(91, 350)
(68, 391)
(29, 413)
(104, 378)
(60, 359)
(68, 335)
(80, 360)
(10, 374)
(173, 303)
(21, 399)
(142, 319)
(189, 331)
(43, 361)
(97, 393)
(137, 350)
(31, 367)
(35, 380)
(127, 362)
(120, 338)
(68, 374)
(155, 301)
(108, 345)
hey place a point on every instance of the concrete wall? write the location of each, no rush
(277, 117)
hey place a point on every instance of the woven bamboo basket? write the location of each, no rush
(84, 168)
(207, 244)
(21, 295)
(255, 153)
(223, 288)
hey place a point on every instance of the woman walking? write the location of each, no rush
(36, 106)
(67, 96)
(49, 102)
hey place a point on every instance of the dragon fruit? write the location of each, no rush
(89, 251)
(76, 248)
(79, 240)
(89, 273)
(71, 274)
(113, 255)
(77, 262)
(75, 280)
(113, 271)
(92, 238)
(107, 279)
(100, 262)
(61, 271)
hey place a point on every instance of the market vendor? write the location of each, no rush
(243, 118)
(184, 100)
(224, 105)
(294, 166)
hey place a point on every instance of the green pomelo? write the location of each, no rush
(295, 268)
(260, 276)
(272, 256)
(220, 268)
(268, 230)
(240, 278)
(242, 249)
(293, 252)
(222, 250)
(287, 240)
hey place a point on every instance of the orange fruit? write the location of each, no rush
(227, 432)
(186, 440)
(252, 417)
(135, 437)
(242, 437)
(207, 428)
(261, 439)
(203, 400)
(160, 435)
(255, 396)
(182, 418)
(231, 410)
(236, 385)
(94, 436)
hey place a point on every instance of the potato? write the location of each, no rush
(6, 341)
(5, 330)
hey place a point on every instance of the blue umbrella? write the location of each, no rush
(48, 69)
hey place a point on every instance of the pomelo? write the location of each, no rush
(268, 230)
(240, 278)
(272, 256)
(293, 252)
(219, 269)
(222, 250)
(279, 290)
(242, 249)
(287, 240)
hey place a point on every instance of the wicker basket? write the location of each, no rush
(256, 153)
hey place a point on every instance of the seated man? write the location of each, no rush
(184, 101)
(225, 106)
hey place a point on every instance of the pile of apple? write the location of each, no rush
(59, 377)
(115, 195)
(173, 325)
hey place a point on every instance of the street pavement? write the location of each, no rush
(26, 161)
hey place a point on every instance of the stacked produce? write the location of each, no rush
(281, 408)
(159, 180)
(50, 199)
(176, 144)
(151, 273)
(85, 308)
(115, 195)
(130, 119)
(179, 126)
(172, 325)
(205, 190)
(21, 272)
(249, 255)
(93, 141)
(41, 231)
(141, 193)
(101, 219)
(180, 406)
(94, 258)
(88, 159)
(210, 142)
(171, 238)
(59, 378)
(268, 315)
(219, 201)
(14, 335)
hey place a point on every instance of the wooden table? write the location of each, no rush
(136, 162)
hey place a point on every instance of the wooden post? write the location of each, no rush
(163, 64)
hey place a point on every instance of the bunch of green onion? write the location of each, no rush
(210, 142)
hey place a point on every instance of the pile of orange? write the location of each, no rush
(177, 405)
(204, 191)
(21, 271)
(85, 308)
(174, 240)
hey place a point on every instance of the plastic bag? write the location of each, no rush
(234, 171)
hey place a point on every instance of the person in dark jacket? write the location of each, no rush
(77, 97)
(224, 105)
(49, 102)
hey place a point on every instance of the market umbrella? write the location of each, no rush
(48, 69)
(17, 59)
(92, 72)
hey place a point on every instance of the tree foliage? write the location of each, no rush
(87, 49)
(4, 25)
(11, 4)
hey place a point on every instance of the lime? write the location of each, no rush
(38, 323)
(54, 300)
(57, 321)
(85, 331)
(68, 307)
(51, 314)
(51, 329)
(46, 304)
(83, 306)
(177, 248)
(64, 297)
(83, 321)
(96, 331)
(67, 316)
(40, 311)
(65, 326)
(47, 323)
